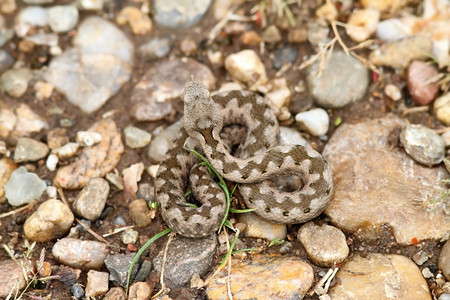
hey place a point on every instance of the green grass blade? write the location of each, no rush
(141, 250)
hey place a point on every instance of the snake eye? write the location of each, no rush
(306, 210)
(286, 213)
(267, 210)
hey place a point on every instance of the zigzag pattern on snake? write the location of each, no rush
(257, 159)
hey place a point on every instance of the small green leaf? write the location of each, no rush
(276, 242)
(153, 205)
(337, 121)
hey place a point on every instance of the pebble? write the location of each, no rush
(400, 53)
(43, 90)
(317, 32)
(80, 254)
(66, 151)
(26, 122)
(392, 30)
(393, 92)
(97, 284)
(441, 108)
(92, 4)
(344, 80)
(129, 236)
(115, 293)
(136, 137)
(23, 187)
(280, 94)
(50, 221)
(141, 290)
(291, 136)
(418, 76)
(144, 270)
(379, 276)
(423, 144)
(91, 201)
(250, 38)
(77, 291)
(427, 273)
(179, 13)
(31, 16)
(186, 257)
(7, 166)
(131, 176)
(444, 260)
(118, 265)
(157, 47)
(269, 278)
(153, 97)
(384, 6)
(420, 258)
(297, 35)
(15, 81)
(139, 22)
(366, 155)
(257, 227)
(362, 24)
(62, 18)
(6, 60)
(115, 181)
(188, 46)
(29, 150)
(89, 73)
(88, 138)
(95, 161)
(271, 34)
(12, 278)
(315, 121)
(325, 245)
(6, 35)
(140, 213)
(52, 162)
(247, 68)
(284, 55)
(8, 6)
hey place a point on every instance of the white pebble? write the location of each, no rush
(315, 121)
(393, 30)
(393, 92)
(152, 170)
(88, 138)
(92, 4)
(52, 162)
(62, 18)
(51, 192)
(66, 151)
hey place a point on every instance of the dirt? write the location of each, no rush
(374, 104)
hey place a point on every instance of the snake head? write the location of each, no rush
(200, 111)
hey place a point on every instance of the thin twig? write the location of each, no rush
(15, 211)
(164, 289)
(98, 237)
(118, 230)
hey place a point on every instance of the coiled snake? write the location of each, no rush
(257, 160)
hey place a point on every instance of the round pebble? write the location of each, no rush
(179, 13)
(315, 121)
(188, 46)
(50, 221)
(393, 92)
(246, 67)
(62, 18)
(23, 187)
(423, 144)
(344, 80)
(139, 213)
(29, 150)
(129, 236)
(77, 291)
(80, 254)
(88, 138)
(441, 108)
(15, 81)
(362, 24)
(257, 227)
(157, 47)
(136, 138)
(325, 245)
(418, 78)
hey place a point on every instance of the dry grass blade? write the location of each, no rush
(98, 237)
(29, 206)
(164, 289)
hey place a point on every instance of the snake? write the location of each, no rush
(252, 165)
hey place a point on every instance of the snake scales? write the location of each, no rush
(257, 159)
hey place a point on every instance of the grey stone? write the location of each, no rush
(29, 150)
(144, 270)
(80, 254)
(155, 48)
(91, 201)
(344, 80)
(77, 291)
(23, 187)
(118, 265)
(15, 81)
(180, 13)
(284, 55)
(136, 137)
(186, 257)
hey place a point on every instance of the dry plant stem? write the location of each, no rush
(12, 212)
(411, 110)
(164, 289)
(338, 37)
(118, 230)
(326, 278)
(98, 237)
(63, 197)
(230, 296)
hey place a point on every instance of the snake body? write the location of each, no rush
(257, 160)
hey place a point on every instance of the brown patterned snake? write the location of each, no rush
(258, 160)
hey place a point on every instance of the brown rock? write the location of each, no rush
(378, 184)
(97, 283)
(188, 46)
(115, 293)
(57, 138)
(140, 213)
(418, 78)
(297, 35)
(251, 38)
(11, 278)
(139, 22)
(264, 277)
(80, 254)
(50, 221)
(95, 161)
(140, 291)
(91, 201)
(380, 277)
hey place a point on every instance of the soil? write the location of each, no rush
(374, 104)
